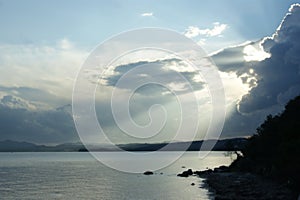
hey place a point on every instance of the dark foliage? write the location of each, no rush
(275, 150)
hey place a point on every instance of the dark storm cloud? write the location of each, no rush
(277, 77)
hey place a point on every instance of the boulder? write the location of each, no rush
(186, 173)
(148, 173)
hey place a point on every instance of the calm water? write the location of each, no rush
(80, 176)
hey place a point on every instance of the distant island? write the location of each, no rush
(234, 144)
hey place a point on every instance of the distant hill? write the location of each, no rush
(9, 145)
(14, 146)
(221, 145)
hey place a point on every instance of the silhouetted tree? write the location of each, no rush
(275, 150)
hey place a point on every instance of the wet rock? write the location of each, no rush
(148, 173)
(222, 169)
(186, 173)
(203, 173)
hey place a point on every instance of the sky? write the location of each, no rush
(44, 43)
(89, 23)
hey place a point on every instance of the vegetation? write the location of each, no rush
(274, 151)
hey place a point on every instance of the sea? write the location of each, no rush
(78, 175)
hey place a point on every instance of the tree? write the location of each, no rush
(274, 150)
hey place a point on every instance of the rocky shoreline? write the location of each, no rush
(225, 185)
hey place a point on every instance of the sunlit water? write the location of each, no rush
(80, 176)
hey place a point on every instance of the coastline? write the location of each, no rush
(225, 184)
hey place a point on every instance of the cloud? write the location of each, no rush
(217, 30)
(162, 70)
(254, 54)
(21, 121)
(65, 44)
(259, 78)
(176, 76)
(232, 59)
(270, 67)
(35, 81)
(41, 98)
(147, 14)
(280, 73)
(16, 103)
(202, 42)
(51, 68)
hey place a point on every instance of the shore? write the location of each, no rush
(226, 185)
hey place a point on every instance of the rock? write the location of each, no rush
(221, 169)
(187, 173)
(203, 173)
(148, 173)
(246, 186)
